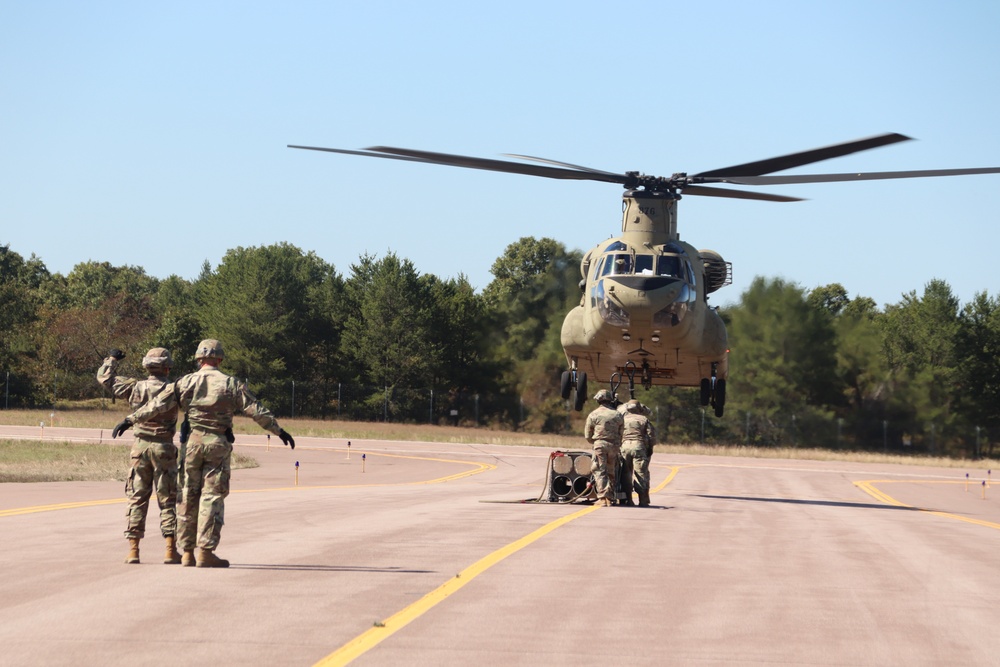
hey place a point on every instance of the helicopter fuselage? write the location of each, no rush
(645, 302)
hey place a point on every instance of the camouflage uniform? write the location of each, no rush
(637, 445)
(154, 456)
(209, 397)
(604, 431)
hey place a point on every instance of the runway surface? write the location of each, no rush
(416, 555)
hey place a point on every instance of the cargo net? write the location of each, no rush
(568, 478)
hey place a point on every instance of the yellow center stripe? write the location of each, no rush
(476, 469)
(869, 488)
(371, 638)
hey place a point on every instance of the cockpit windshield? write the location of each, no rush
(617, 265)
(622, 264)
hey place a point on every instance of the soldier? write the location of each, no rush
(604, 431)
(154, 456)
(637, 445)
(208, 397)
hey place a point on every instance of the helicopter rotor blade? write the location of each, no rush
(791, 160)
(831, 178)
(702, 191)
(561, 164)
(446, 159)
(499, 165)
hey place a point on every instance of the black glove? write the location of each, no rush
(116, 353)
(185, 430)
(286, 438)
(230, 438)
(121, 428)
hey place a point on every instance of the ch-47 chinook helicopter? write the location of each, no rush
(644, 313)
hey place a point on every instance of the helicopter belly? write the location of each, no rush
(679, 355)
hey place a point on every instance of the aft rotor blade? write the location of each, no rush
(830, 178)
(445, 159)
(791, 160)
(561, 164)
(702, 191)
(499, 165)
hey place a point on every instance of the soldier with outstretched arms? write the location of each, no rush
(208, 398)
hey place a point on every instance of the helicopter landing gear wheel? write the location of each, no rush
(581, 391)
(719, 397)
(706, 391)
(566, 384)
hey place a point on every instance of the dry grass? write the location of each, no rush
(94, 415)
(34, 461)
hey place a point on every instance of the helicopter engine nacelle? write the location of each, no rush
(718, 272)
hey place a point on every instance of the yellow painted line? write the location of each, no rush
(869, 488)
(61, 506)
(371, 638)
(673, 473)
(376, 635)
(476, 469)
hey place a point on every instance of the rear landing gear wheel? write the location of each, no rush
(566, 384)
(719, 397)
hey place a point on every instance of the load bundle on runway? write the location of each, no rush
(568, 478)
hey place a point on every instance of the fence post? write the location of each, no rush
(293, 399)
(432, 408)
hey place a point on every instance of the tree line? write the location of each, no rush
(384, 341)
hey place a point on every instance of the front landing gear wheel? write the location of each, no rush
(706, 391)
(565, 384)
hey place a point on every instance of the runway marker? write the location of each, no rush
(348, 450)
(296, 473)
(966, 482)
(984, 489)
(362, 462)
(268, 442)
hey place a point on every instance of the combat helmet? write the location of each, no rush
(209, 349)
(158, 360)
(635, 406)
(604, 396)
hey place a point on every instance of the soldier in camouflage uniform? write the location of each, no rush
(603, 430)
(209, 398)
(154, 456)
(637, 445)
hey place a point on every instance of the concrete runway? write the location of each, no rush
(741, 561)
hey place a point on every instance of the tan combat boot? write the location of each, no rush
(208, 559)
(187, 560)
(133, 551)
(171, 557)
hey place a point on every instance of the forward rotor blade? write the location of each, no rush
(830, 178)
(702, 191)
(500, 165)
(806, 157)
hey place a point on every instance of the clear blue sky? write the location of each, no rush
(154, 134)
